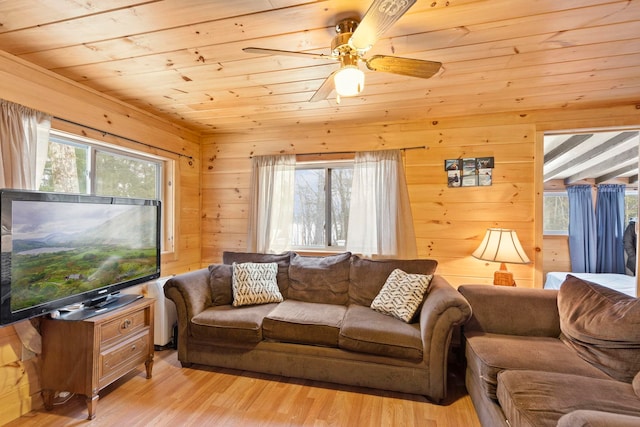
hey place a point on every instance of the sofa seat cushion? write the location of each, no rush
(588, 418)
(304, 323)
(601, 325)
(489, 354)
(228, 323)
(538, 399)
(367, 331)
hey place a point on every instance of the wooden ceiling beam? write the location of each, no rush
(600, 149)
(625, 156)
(568, 145)
(618, 172)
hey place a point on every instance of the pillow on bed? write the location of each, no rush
(602, 325)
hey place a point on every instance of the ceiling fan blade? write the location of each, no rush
(381, 15)
(325, 88)
(288, 53)
(405, 66)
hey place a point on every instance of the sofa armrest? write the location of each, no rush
(191, 294)
(512, 311)
(591, 418)
(443, 310)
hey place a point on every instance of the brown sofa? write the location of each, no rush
(324, 329)
(545, 358)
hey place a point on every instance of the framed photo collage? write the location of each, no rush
(469, 172)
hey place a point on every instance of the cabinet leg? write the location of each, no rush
(47, 398)
(92, 402)
(148, 364)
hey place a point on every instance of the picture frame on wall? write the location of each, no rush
(469, 166)
(452, 165)
(469, 171)
(484, 176)
(469, 180)
(454, 179)
(484, 162)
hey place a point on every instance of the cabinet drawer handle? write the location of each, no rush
(133, 347)
(126, 324)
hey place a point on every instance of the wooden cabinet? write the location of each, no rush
(84, 356)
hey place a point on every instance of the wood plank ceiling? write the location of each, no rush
(183, 59)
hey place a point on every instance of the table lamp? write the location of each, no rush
(501, 245)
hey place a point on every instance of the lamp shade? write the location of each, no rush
(349, 80)
(501, 245)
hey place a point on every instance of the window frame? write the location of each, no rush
(164, 175)
(328, 166)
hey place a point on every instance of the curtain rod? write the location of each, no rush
(353, 152)
(105, 133)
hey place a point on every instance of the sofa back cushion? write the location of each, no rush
(323, 279)
(368, 276)
(281, 259)
(602, 325)
(220, 276)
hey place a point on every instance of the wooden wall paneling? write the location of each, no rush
(538, 226)
(26, 84)
(445, 227)
(556, 254)
(19, 382)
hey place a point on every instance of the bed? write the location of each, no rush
(620, 282)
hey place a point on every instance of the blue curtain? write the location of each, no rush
(610, 221)
(582, 229)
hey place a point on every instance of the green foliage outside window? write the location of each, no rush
(69, 169)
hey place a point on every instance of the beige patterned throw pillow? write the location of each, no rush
(402, 294)
(255, 283)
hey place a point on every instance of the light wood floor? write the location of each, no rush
(178, 396)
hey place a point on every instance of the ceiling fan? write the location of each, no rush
(352, 41)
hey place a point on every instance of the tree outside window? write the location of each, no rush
(75, 167)
(321, 205)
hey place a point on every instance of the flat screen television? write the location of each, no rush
(67, 250)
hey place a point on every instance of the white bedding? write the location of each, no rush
(620, 282)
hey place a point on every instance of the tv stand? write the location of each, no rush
(109, 303)
(84, 356)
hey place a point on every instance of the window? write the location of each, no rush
(556, 213)
(78, 166)
(630, 205)
(321, 205)
(81, 165)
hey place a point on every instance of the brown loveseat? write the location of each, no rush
(545, 358)
(324, 329)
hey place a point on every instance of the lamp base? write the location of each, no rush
(503, 277)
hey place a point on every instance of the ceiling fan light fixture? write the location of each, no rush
(349, 81)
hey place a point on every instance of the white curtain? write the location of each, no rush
(271, 207)
(380, 220)
(24, 139)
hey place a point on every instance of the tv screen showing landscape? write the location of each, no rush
(60, 249)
